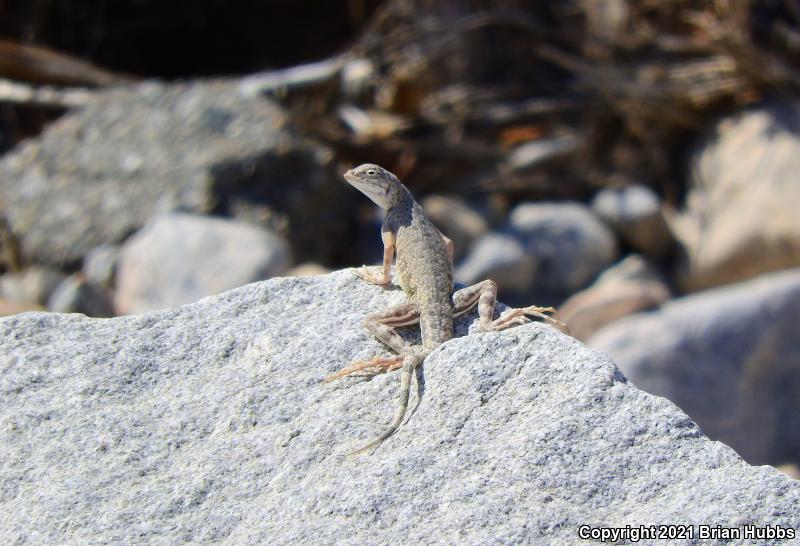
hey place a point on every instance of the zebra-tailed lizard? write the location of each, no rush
(425, 273)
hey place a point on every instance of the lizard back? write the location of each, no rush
(424, 270)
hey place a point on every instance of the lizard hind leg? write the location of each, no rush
(484, 294)
(382, 325)
(374, 366)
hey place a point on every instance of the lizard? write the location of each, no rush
(424, 270)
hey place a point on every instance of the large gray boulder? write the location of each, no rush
(729, 357)
(100, 172)
(209, 423)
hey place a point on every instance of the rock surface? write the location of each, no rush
(628, 287)
(99, 173)
(209, 423)
(741, 215)
(180, 258)
(730, 357)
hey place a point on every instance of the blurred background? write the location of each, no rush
(635, 163)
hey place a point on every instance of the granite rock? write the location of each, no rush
(209, 423)
(729, 357)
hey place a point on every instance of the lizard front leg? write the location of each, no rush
(388, 236)
(484, 294)
(382, 325)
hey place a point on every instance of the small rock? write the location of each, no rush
(740, 218)
(628, 287)
(567, 241)
(180, 258)
(502, 258)
(730, 357)
(100, 265)
(12, 308)
(32, 286)
(77, 295)
(607, 20)
(791, 470)
(308, 269)
(635, 213)
(460, 222)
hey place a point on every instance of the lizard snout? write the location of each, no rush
(351, 177)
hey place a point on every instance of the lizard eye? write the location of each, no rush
(372, 172)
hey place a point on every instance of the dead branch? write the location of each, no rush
(292, 77)
(48, 96)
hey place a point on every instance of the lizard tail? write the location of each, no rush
(410, 363)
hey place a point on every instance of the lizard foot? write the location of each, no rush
(379, 364)
(366, 274)
(517, 317)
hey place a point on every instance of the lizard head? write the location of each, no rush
(376, 183)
